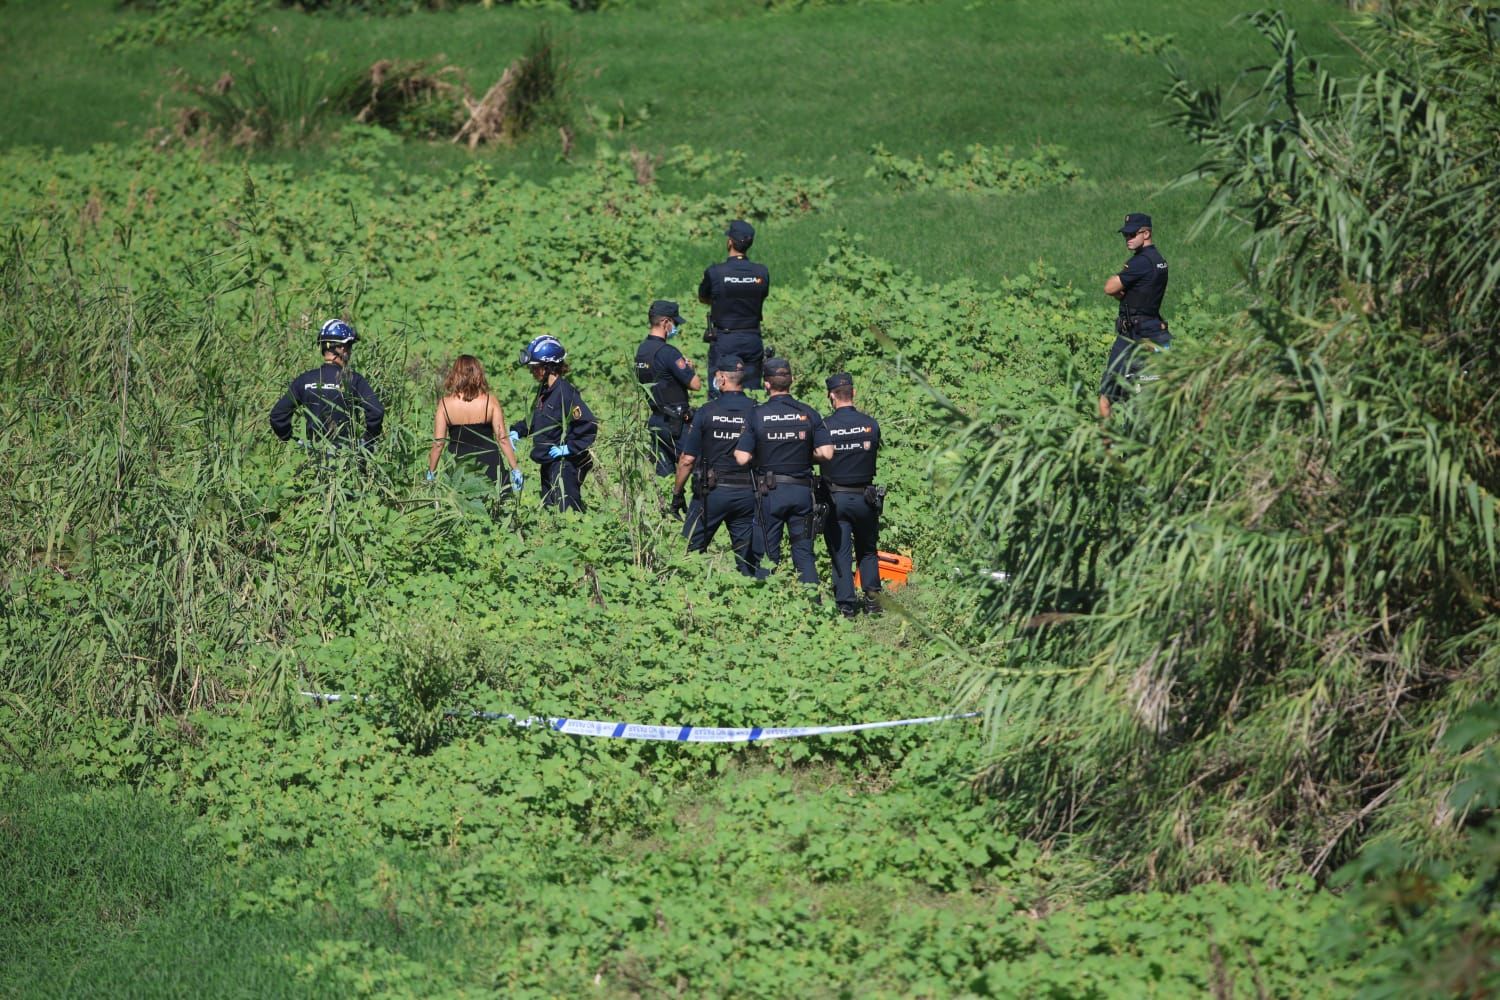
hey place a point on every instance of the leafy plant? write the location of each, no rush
(1140, 43)
(173, 21)
(984, 171)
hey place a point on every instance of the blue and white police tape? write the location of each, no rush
(676, 734)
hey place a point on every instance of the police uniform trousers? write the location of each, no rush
(664, 443)
(789, 507)
(1125, 359)
(561, 484)
(733, 507)
(852, 532)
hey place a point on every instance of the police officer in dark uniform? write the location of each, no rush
(782, 440)
(854, 501)
(561, 427)
(671, 376)
(1139, 328)
(735, 291)
(330, 394)
(723, 492)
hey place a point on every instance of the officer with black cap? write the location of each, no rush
(330, 395)
(782, 440)
(723, 493)
(1139, 328)
(671, 376)
(735, 291)
(854, 501)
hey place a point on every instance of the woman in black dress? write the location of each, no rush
(472, 424)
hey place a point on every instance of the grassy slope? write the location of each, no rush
(807, 93)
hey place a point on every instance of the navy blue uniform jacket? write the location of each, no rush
(330, 395)
(559, 416)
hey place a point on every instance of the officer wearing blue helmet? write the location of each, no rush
(782, 440)
(852, 526)
(561, 426)
(723, 493)
(331, 396)
(671, 377)
(1139, 329)
(735, 290)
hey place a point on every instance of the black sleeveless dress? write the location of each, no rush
(475, 443)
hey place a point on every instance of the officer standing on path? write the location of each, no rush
(330, 395)
(735, 291)
(782, 440)
(562, 427)
(723, 493)
(670, 376)
(854, 501)
(1139, 328)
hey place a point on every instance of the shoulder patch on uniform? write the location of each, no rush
(682, 362)
(577, 413)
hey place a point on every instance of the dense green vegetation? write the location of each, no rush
(1235, 741)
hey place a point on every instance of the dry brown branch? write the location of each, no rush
(487, 117)
(644, 165)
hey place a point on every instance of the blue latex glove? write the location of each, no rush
(557, 451)
(516, 480)
(431, 475)
(515, 439)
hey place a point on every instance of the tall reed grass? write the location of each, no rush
(1244, 612)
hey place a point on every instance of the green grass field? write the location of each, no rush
(807, 93)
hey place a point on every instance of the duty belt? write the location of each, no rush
(781, 479)
(841, 488)
(741, 480)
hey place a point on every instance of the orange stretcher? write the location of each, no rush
(894, 569)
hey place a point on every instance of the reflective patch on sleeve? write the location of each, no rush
(577, 413)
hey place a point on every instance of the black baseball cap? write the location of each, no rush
(667, 308)
(777, 366)
(839, 381)
(730, 363)
(1135, 222)
(741, 232)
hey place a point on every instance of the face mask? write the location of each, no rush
(673, 330)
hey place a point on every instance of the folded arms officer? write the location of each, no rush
(670, 376)
(735, 291)
(330, 395)
(782, 440)
(723, 492)
(1139, 328)
(854, 501)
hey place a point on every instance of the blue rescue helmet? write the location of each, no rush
(336, 331)
(543, 350)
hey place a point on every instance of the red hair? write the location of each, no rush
(466, 378)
